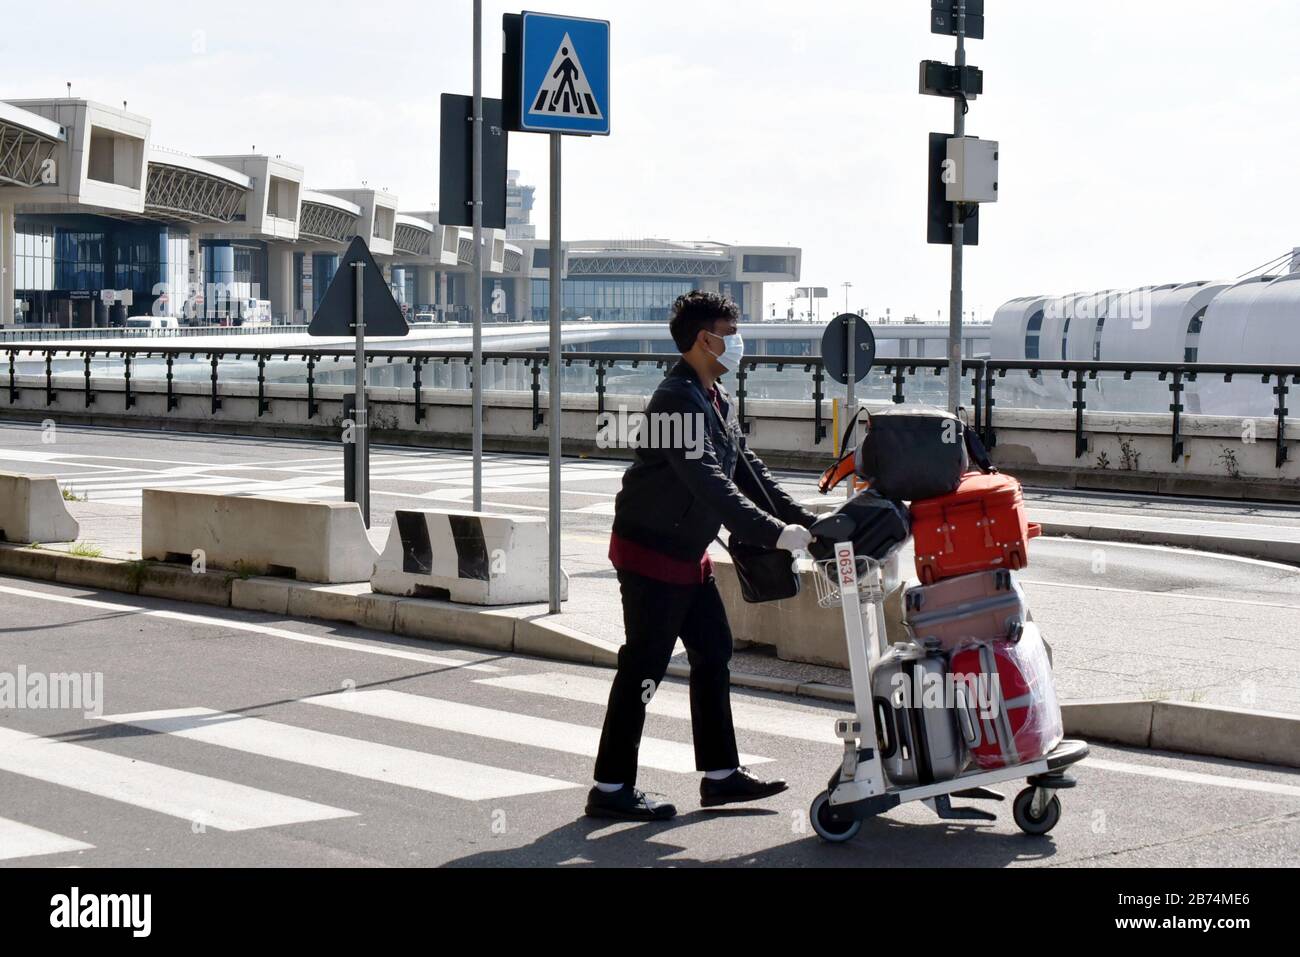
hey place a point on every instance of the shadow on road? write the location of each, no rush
(883, 842)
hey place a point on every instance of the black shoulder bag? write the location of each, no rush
(765, 574)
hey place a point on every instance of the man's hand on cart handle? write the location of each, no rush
(794, 538)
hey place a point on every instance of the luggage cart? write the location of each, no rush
(859, 788)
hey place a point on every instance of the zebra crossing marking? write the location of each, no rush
(217, 803)
(674, 702)
(22, 840)
(420, 770)
(545, 733)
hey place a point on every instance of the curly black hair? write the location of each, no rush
(695, 311)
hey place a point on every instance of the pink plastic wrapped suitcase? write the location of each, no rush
(985, 606)
(1015, 719)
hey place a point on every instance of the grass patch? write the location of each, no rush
(70, 496)
(86, 550)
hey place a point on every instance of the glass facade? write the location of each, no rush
(79, 259)
(1032, 333)
(59, 259)
(753, 263)
(297, 281)
(788, 347)
(34, 257)
(735, 291)
(232, 272)
(610, 298)
(323, 267)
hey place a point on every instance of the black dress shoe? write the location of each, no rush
(740, 786)
(627, 804)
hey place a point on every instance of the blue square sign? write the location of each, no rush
(564, 75)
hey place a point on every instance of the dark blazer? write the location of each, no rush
(675, 503)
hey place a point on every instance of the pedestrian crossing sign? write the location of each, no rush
(564, 75)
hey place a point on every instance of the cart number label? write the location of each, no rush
(848, 573)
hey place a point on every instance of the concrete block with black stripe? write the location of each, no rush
(475, 558)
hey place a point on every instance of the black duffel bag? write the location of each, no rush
(875, 525)
(911, 454)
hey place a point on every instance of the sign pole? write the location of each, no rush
(958, 233)
(476, 294)
(554, 362)
(850, 358)
(359, 429)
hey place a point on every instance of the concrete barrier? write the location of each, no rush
(798, 627)
(311, 541)
(473, 558)
(32, 509)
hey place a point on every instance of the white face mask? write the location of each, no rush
(733, 351)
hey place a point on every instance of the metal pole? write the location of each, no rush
(476, 296)
(359, 429)
(851, 361)
(554, 360)
(958, 233)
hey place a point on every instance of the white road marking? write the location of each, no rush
(254, 627)
(224, 805)
(1162, 594)
(506, 726)
(1177, 550)
(1192, 777)
(22, 840)
(674, 702)
(353, 756)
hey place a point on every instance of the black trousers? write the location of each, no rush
(655, 615)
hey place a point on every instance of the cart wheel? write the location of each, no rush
(1040, 825)
(836, 832)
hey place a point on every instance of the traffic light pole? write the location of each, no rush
(958, 232)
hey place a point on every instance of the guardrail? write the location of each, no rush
(981, 376)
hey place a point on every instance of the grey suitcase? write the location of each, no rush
(919, 743)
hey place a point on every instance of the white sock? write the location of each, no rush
(720, 775)
(608, 788)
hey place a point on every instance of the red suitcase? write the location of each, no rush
(979, 527)
(1016, 719)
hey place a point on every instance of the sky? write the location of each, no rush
(1143, 141)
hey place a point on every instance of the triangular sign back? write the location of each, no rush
(337, 307)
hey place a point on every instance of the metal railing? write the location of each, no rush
(19, 334)
(982, 377)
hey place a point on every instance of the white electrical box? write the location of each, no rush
(971, 172)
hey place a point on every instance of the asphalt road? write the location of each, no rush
(1123, 619)
(232, 738)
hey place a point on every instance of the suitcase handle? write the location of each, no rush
(964, 722)
(886, 727)
(1035, 530)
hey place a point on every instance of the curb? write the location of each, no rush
(1211, 730)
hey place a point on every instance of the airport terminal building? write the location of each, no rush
(99, 223)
